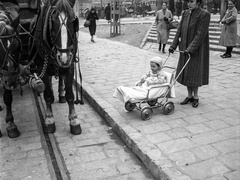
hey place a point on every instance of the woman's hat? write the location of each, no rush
(157, 60)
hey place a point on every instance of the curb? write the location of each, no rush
(131, 137)
(145, 37)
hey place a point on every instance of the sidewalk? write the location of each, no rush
(201, 143)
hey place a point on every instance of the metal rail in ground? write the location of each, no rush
(57, 167)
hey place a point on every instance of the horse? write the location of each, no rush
(54, 45)
(10, 49)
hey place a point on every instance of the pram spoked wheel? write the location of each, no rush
(152, 102)
(168, 108)
(130, 106)
(146, 113)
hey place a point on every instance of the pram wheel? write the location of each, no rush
(168, 108)
(129, 106)
(152, 102)
(146, 113)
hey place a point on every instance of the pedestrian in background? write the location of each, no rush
(108, 12)
(192, 37)
(179, 8)
(228, 36)
(92, 17)
(163, 17)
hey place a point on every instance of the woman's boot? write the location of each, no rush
(228, 54)
(159, 48)
(163, 49)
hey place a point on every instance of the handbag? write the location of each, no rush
(86, 23)
(172, 25)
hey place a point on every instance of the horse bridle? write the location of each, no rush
(8, 55)
(53, 41)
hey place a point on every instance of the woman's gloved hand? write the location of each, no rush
(186, 52)
(165, 19)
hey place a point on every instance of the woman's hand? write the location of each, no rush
(223, 21)
(165, 19)
(171, 50)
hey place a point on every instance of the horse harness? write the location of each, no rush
(45, 21)
(4, 72)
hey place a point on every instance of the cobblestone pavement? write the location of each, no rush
(98, 153)
(201, 143)
(23, 157)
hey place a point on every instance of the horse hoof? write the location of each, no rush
(50, 128)
(13, 132)
(62, 99)
(75, 129)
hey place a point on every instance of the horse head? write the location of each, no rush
(63, 25)
(10, 49)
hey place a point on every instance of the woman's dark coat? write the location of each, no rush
(179, 8)
(108, 12)
(192, 35)
(92, 17)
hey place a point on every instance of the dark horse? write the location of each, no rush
(10, 49)
(55, 44)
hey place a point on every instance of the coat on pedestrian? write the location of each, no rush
(193, 35)
(179, 8)
(92, 17)
(108, 12)
(229, 30)
(163, 32)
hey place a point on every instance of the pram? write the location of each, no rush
(157, 95)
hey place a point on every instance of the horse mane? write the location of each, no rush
(66, 7)
(5, 28)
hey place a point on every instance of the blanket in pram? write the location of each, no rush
(139, 93)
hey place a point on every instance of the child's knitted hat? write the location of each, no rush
(158, 61)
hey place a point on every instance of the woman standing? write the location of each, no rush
(228, 36)
(108, 12)
(193, 38)
(92, 17)
(179, 8)
(163, 17)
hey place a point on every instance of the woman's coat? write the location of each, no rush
(92, 17)
(163, 32)
(229, 30)
(193, 35)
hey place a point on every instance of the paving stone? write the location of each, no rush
(231, 160)
(205, 152)
(207, 138)
(177, 133)
(176, 145)
(158, 137)
(227, 146)
(205, 169)
(183, 158)
(216, 124)
(197, 128)
(233, 175)
(231, 132)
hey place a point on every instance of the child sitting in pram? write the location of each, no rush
(141, 90)
(155, 76)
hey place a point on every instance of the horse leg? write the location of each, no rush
(75, 127)
(61, 90)
(49, 99)
(12, 129)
